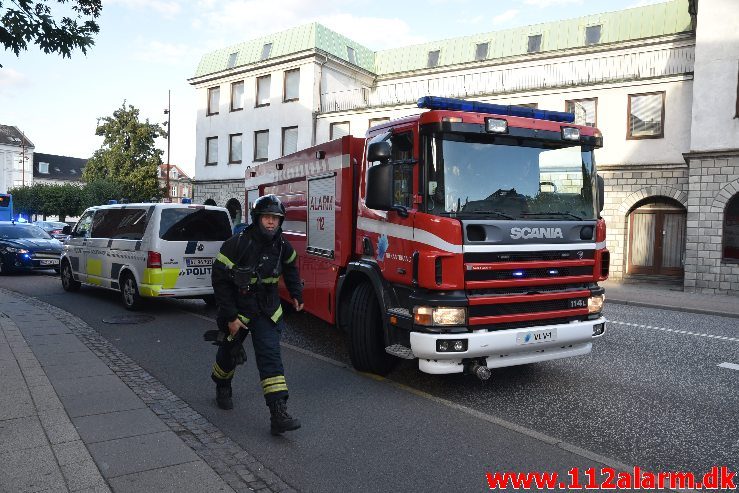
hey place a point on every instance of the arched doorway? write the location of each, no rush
(657, 238)
(234, 209)
(209, 202)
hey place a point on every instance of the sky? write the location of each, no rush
(146, 48)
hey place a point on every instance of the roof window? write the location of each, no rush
(433, 60)
(232, 60)
(266, 50)
(351, 55)
(481, 51)
(592, 34)
(43, 168)
(534, 43)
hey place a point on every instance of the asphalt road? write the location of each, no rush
(648, 395)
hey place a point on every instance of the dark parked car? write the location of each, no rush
(54, 228)
(25, 247)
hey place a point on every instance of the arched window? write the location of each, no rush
(731, 230)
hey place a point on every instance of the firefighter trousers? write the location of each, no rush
(266, 340)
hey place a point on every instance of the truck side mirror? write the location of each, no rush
(379, 151)
(379, 185)
(66, 230)
(601, 193)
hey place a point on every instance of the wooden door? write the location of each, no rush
(656, 242)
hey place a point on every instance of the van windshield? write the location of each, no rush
(194, 225)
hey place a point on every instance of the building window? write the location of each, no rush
(377, 121)
(592, 35)
(351, 55)
(338, 130)
(234, 148)
(232, 60)
(292, 85)
(43, 168)
(534, 43)
(266, 51)
(184, 192)
(214, 94)
(481, 51)
(731, 230)
(211, 151)
(174, 191)
(263, 84)
(289, 140)
(237, 96)
(433, 60)
(585, 111)
(646, 116)
(261, 145)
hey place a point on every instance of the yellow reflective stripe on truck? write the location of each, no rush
(154, 280)
(94, 271)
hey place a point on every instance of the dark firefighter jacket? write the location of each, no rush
(249, 250)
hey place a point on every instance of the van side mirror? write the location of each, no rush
(601, 193)
(379, 151)
(66, 230)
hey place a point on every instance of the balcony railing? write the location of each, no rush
(598, 69)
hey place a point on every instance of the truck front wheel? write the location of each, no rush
(366, 341)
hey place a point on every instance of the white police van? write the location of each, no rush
(145, 250)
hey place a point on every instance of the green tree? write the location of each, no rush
(129, 154)
(99, 192)
(26, 21)
(48, 200)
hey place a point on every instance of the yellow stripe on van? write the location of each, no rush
(154, 280)
(94, 271)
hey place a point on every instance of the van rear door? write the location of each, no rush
(189, 239)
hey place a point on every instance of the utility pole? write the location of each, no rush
(168, 196)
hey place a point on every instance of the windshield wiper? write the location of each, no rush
(569, 214)
(498, 214)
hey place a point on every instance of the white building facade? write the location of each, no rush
(646, 77)
(16, 159)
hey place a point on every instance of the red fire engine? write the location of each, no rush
(467, 236)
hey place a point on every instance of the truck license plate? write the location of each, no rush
(536, 336)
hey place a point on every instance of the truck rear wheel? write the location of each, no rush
(366, 341)
(68, 282)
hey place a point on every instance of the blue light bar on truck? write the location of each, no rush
(452, 104)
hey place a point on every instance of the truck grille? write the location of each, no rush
(524, 273)
(525, 307)
(494, 257)
(530, 323)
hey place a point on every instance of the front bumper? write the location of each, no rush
(504, 347)
(28, 262)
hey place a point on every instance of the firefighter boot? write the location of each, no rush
(280, 420)
(223, 397)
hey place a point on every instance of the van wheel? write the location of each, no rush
(68, 282)
(366, 341)
(130, 293)
(210, 300)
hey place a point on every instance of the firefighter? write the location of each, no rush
(245, 276)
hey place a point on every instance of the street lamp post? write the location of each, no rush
(169, 131)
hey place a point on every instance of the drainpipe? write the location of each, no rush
(315, 113)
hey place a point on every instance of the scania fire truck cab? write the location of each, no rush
(475, 234)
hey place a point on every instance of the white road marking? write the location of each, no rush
(686, 332)
(730, 366)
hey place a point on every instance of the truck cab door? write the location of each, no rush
(77, 245)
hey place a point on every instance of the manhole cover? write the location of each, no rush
(128, 319)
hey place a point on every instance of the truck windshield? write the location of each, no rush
(485, 176)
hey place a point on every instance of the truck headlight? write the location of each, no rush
(427, 315)
(595, 303)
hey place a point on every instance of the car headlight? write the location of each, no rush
(595, 303)
(427, 315)
(15, 250)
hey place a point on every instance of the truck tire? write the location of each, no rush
(366, 341)
(68, 282)
(130, 293)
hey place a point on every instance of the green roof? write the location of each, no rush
(660, 19)
(301, 38)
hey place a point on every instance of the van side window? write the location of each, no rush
(194, 224)
(82, 228)
(120, 224)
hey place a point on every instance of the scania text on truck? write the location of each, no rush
(468, 236)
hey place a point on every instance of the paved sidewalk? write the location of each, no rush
(670, 297)
(77, 415)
